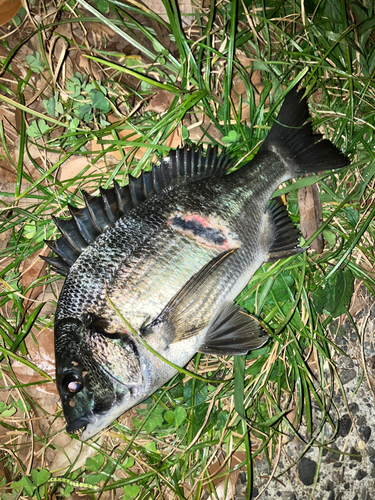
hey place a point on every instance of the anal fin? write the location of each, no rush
(283, 234)
(233, 332)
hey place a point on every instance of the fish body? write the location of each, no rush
(172, 253)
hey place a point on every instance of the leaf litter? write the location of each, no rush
(37, 418)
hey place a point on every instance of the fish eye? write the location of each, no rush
(72, 382)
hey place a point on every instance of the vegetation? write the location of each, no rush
(81, 125)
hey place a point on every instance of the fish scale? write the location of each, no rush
(177, 245)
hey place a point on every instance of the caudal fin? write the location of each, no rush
(292, 139)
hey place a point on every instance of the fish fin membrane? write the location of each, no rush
(58, 264)
(233, 332)
(283, 234)
(292, 139)
(176, 316)
(181, 166)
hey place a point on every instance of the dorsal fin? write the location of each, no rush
(181, 166)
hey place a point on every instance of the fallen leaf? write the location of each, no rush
(161, 101)
(185, 7)
(9, 201)
(42, 353)
(76, 452)
(218, 467)
(239, 90)
(4, 238)
(174, 140)
(32, 268)
(71, 168)
(8, 9)
(310, 210)
(50, 298)
(313, 363)
(230, 487)
(359, 298)
(200, 126)
(127, 133)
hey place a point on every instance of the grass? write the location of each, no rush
(168, 449)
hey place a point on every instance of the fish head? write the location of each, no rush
(99, 375)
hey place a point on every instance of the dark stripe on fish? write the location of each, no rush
(209, 231)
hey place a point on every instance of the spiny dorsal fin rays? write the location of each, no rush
(181, 166)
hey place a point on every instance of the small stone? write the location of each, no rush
(306, 471)
(242, 478)
(346, 486)
(331, 496)
(337, 465)
(372, 473)
(369, 451)
(364, 433)
(360, 475)
(353, 408)
(347, 375)
(353, 336)
(331, 456)
(355, 454)
(372, 459)
(361, 420)
(345, 424)
(342, 343)
(289, 495)
(330, 485)
(349, 363)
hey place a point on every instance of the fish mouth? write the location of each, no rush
(80, 422)
(95, 422)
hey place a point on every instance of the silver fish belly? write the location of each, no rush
(171, 251)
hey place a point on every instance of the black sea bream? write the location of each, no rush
(172, 250)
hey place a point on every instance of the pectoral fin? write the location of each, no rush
(177, 318)
(233, 332)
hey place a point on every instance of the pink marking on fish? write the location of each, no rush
(210, 231)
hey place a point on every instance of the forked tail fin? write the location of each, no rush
(292, 139)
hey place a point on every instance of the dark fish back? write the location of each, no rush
(181, 167)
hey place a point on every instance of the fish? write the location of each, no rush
(159, 262)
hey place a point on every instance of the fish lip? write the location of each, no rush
(80, 422)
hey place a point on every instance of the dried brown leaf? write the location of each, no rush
(185, 7)
(73, 450)
(161, 101)
(199, 125)
(32, 268)
(130, 136)
(239, 90)
(74, 166)
(4, 238)
(42, 354)
(359, 298)
(310, 210)
(174, 140)
(8, 9)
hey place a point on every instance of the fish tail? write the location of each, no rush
(292, 139)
